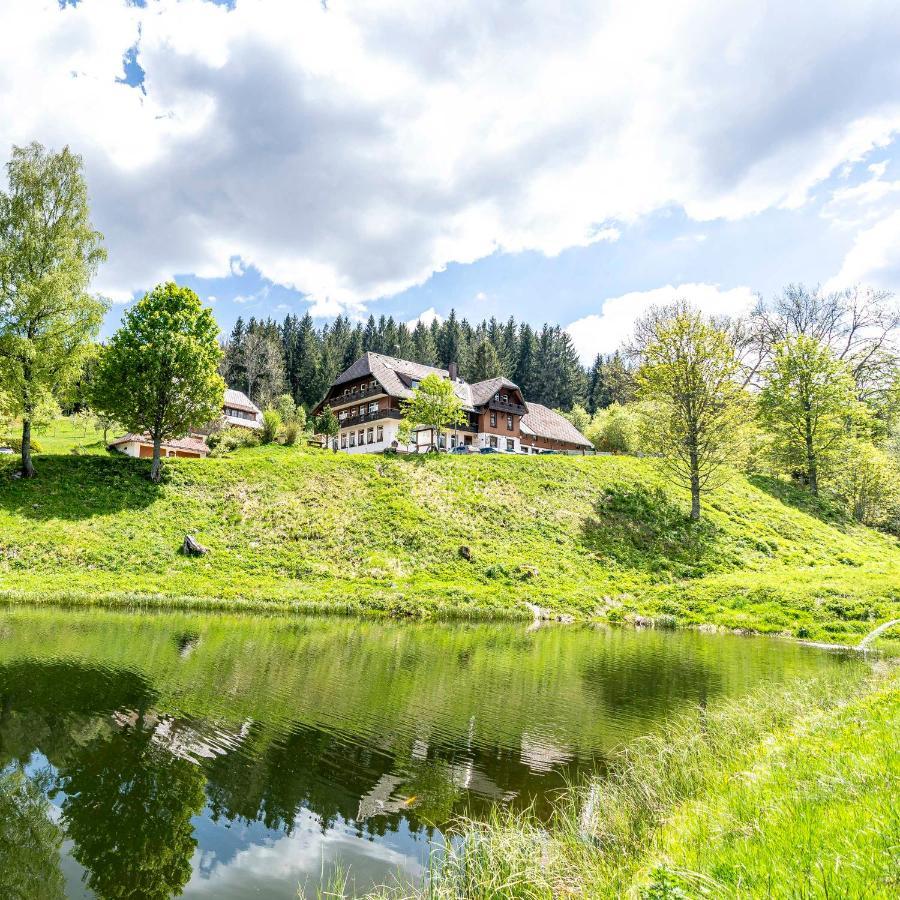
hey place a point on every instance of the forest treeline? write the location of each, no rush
(264, 358)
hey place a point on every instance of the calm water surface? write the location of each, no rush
(215, 756)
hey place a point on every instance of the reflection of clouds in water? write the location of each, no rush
(281, 863)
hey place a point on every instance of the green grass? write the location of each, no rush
(787, 793)
(291, 528)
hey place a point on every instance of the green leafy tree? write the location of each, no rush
(327, 425)
(808, 402)
(578, 416)
(48, 254)
(433, 405)
(867, 479)
(159, 373)
(688, 374)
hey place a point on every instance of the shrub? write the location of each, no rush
(271, 422)
(291, 431)
(15, 444)
(615, 429)
(230, 438)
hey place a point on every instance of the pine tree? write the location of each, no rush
(308, 361)
(424, 348)
(485, 362)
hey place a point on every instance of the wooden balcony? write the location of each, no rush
(350, 399)
(367, 418)
(515, 409)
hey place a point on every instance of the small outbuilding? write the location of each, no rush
(141, 446)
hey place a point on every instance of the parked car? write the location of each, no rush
(461, 448)
(489, 450)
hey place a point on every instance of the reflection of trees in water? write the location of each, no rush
(29, 839)
(640, 684)
(128, 808)
(129, 802)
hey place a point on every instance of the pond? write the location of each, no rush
(223, 756)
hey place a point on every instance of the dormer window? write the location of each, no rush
(504, 398)
(414, 383)
(497, 396)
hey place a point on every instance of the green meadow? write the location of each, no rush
(293, 528)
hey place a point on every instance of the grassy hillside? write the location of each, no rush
(602, 536)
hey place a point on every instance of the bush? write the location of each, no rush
(615, 429)
(291, 432)
(271, 424)
(15, 444)
(230, 438)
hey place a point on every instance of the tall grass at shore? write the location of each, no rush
(788, 792)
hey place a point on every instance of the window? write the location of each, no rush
(342, 415)
(373, 407)
(380, 434)
(452, 440)
(510, 445)
(504, 398)
(343, 442)
(362, 436)
(509, 423)
(370, 435)
(493, 441)
(442, 441)
(373, 385)
(493, 419)
(414, 383)
(497, 396)
(352, 438)
(346, 392)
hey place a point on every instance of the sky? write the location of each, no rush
(571, 163)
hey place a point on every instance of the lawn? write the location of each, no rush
(290, 527)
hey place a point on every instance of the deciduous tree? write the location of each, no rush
(49, 252)
(159, 372)
(433, 405)
(688, 374)
(808, 403)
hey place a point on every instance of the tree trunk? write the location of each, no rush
(811, 462)
(27, 464)
(156, 468)
(695, 487)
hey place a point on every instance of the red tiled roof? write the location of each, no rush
(191, 444)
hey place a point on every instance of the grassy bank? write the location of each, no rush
(287, 528)
(788, 793)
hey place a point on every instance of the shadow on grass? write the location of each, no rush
(800, 498)
(76, 487)
(640, 528)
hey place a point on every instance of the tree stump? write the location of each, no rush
(191, 547)
(465, 553)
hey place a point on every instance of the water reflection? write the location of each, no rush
(217, 755)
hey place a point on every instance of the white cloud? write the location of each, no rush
(614, 324)
(351, 152)
(873, 259)
(426, 318)
(481, 296)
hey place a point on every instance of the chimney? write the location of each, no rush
(453, 371)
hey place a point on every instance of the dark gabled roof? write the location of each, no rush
(544, 422)
(482, 391)
(387, 371)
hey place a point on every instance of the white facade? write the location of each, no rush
(384, 435)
